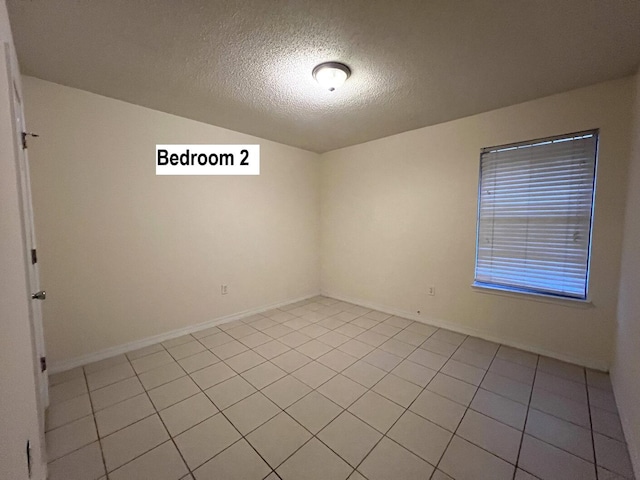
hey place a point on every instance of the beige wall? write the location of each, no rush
(126, 255)
(399, 215)
(19, 421)
(626, 365)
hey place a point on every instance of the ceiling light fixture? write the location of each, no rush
(331, 75)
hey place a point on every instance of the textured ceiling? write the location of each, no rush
(246, 65)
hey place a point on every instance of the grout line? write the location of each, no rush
(95, 422)
(593, 441)
(526, 418)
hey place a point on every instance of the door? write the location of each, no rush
(27, 208)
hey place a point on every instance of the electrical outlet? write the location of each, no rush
(432, 290)
(224, 289)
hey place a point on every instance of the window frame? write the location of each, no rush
(499, 287)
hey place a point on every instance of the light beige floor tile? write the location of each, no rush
(206, 332)
(364, 322)
(386, 330)
(428, 359)
(336, 338)
(106, 363)
(607, 423)
(384, 360)
(244, 361)
(613, 455)
(294, 339)
(440, 475)
(425, 439)
(350, 438)
(397, 348)
(67, 390)
(286, 391)
(314, 331)
(347, 316)
(526, 359)
(380, 316)
(364, 373)
(561, 386)
(230, 391)
(314, 411)
(238, 462)
(561, 369)
(291, 361)
(132, 441)
(83, 464)
(495, 437)
(216, 340)
(439, 410)
(212, 375)
(173, 392)
(500, 408)
(117, 392)
(470, 357)
(550, 463)
(241, 331)
(342, 390)
(68, 411)
(397, 389)
(61, 377)
(464, 372)
(449, 336)
(355, 348)
(198, 361)
(412, 338)
(70, 437)
(602, 399)
(151, 362)
(422, 329)
(567, 436)
(604, 474)
(561, 407)
(161, 463)
(465, 461)
(480, 345)
(177, 341)
(263, 375)
(398, 322)
(110, 375)
(205, 440)
(371, 338)
(278, 331)
(414, 373)
(277, 439)
(314, 349)
(452, 388)
(377, 411)
(186, 350)
(229, 325)
(161, 375)
(314, 374)
(390, 461)
(187, 413)
(349, 330)
(271, 349)
(513, 371)
(337, 360)
(255, 339)
(229, 349)
(250, 413)
(520, 392)
(439, 347)
(123, 414)
(599, 380)
(314, 461)
(522, 475)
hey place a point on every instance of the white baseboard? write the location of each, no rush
(437, 322)
(70, 363)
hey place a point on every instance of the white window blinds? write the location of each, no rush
(534, 215)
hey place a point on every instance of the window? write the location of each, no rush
(535, 208)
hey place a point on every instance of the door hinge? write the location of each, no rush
(24, 138)
(34, 256)
(43, 364)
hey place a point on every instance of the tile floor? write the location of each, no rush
(323, 389)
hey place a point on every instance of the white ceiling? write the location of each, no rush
(246, 65)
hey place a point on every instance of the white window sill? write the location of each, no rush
(531, 296)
